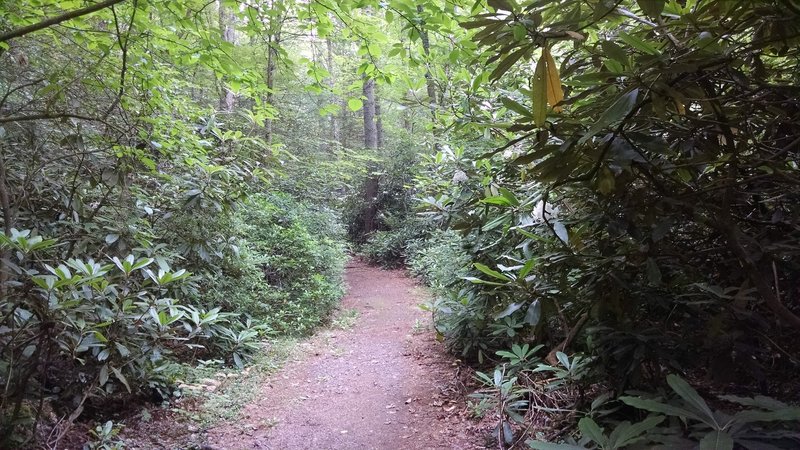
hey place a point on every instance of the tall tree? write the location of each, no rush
(370, 142)
(227, 29)
(329, 62)
(370, 126)
(430, 83)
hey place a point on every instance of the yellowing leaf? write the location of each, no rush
(555, 94)
(545, 87)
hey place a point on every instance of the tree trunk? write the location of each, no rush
(370, 127)
(273, 42)
(426, 48)
(227, 98)
(378, 122)
(334, 121)
(371, 142)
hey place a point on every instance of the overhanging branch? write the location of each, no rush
(56, 20)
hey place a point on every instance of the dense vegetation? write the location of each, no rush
(602, 194)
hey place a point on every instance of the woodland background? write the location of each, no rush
(602, 194)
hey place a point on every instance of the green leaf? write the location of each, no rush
(626, 434)
(658, 407)
(490, 272)
(506, 5)
(652, 8)
(534, 313)
(638, 44)
(614, 52)
(563, 359)
(103, 375)
(561, 231)
(510, 309)
(121, 378)
(526, 268)
(541, 445)
(516, 107)
(590, 429)
(758, 401)
(506, 63)
(613, 115)
(716, 440)
(781, 415)
(497, 200)
(688, 394)
(508, 195)
(354, 104)
(479, 281)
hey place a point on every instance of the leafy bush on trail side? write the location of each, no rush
(103, 330)
(439, 260)
(80, 331)
(288, 271)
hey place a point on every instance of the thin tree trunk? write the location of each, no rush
(334, 121)
(8, 223)
(426, 48)
(378, 122)
(345, 124)
(227, 99)
(272, 63)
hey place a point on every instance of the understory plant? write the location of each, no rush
(78, 331)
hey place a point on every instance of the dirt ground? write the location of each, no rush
(384, 384)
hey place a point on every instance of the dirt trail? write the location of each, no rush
(379, 385)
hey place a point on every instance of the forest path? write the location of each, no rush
(384, 384)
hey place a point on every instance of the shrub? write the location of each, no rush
(96, 330)
(287, 272)
(439, 260)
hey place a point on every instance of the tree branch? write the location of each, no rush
(40, 116)
(56, 20)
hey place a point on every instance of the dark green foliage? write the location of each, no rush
(438, 259)
(287, 271)
(648, 220)
(390, 248)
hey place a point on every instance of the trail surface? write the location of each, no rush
(384, 384)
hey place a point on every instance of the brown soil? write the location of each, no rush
(384, 384)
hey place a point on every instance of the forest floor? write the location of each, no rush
(376, 378)
(385, 383)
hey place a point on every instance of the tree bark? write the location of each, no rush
(426, 48)
(273, 42)
(56, 20)
(227, 100)
(370, 126)
(378, 122)
(334, 121)
(370, 142)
